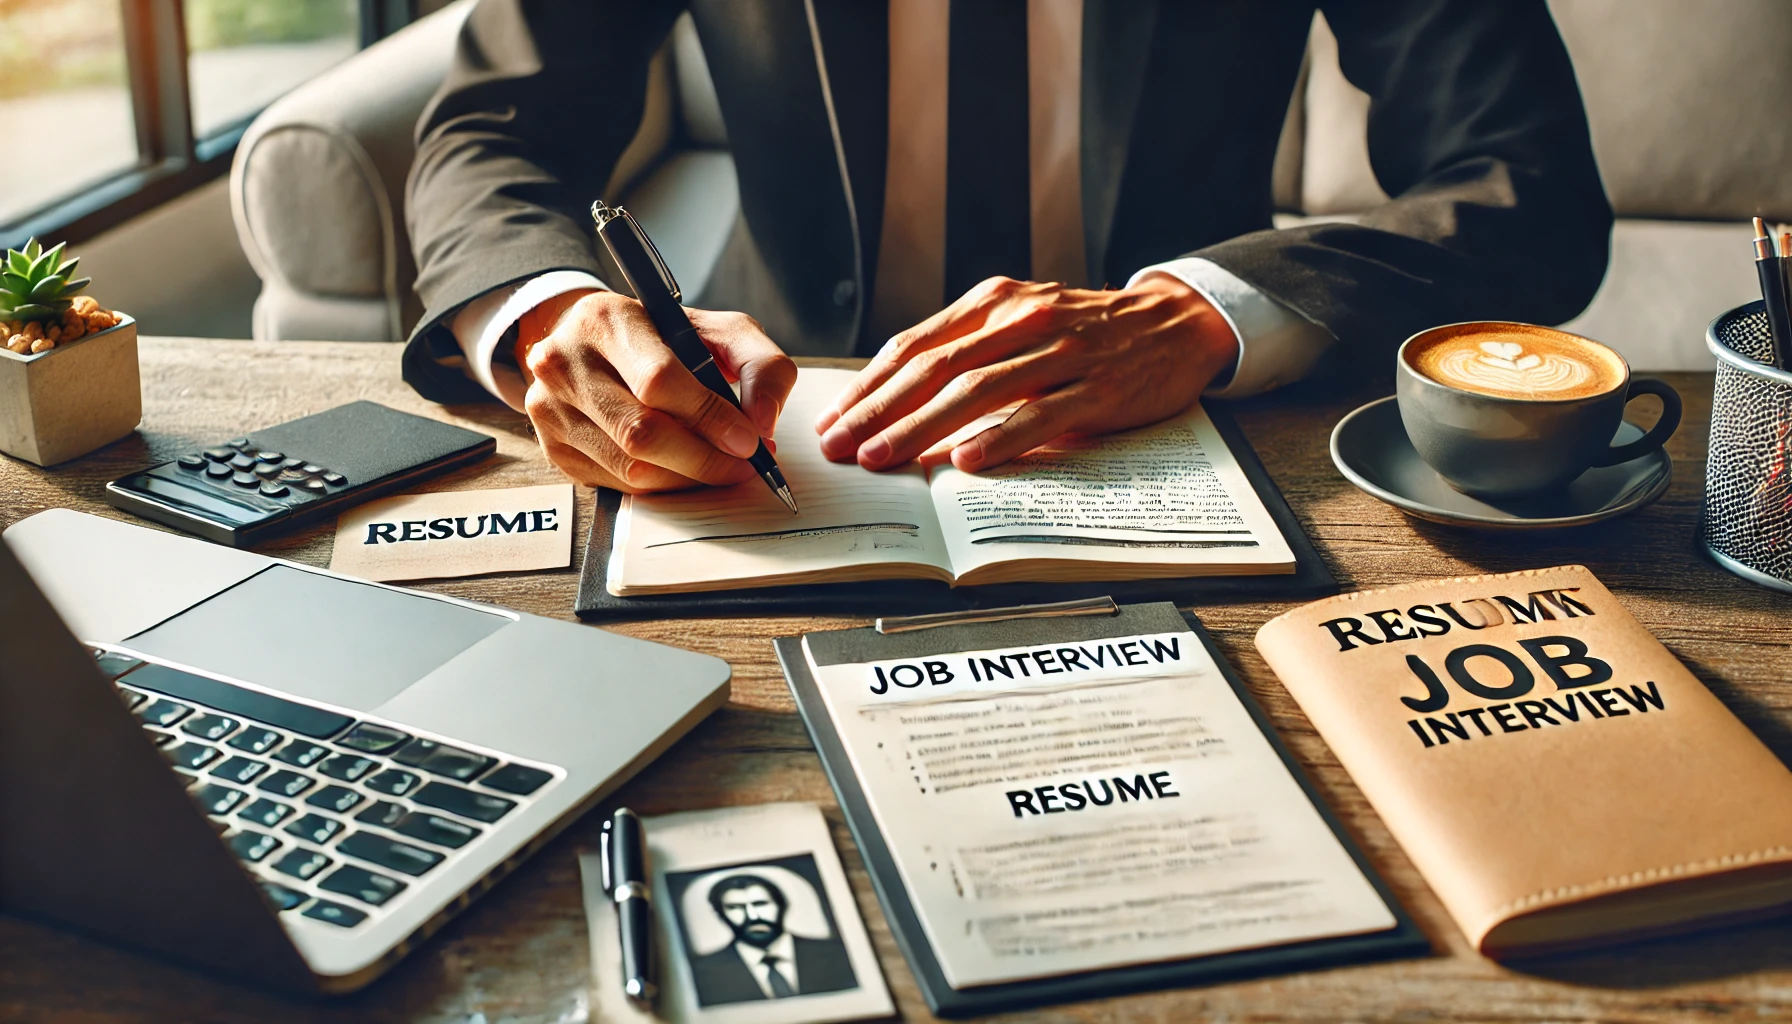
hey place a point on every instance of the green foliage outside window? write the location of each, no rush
(217, 24)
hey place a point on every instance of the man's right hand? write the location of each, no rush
(613, 407)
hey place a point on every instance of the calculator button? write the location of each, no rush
(389, 853)
(516, 778)
(269, 456)
(463, 802)
(290, 463)
(334, 913)
(435, 830)
(267, 469)
(315, 485)
(217, 800)
(372, 739)
(362, 884)
(218, 470)
(220, 454)
(241, 442)
(163, 713)
(334, 798)
(246, 480)
(274, 489)
(302, 864)
(253, 846)
(384, 813)
(264, 812)
(256, 740)
(280, 897)
(287, 784)
(334, 479)
(302, 753)
(209, 727)
(313, 468)
(193, 462)
(242, 461)
(315, 828)
(392, 782)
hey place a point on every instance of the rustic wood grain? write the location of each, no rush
(520, 953)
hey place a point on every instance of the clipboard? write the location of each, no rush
(1096, 619)
(1311, 578)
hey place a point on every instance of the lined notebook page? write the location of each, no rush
(850, 516)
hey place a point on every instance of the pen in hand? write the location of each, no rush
(658, 294)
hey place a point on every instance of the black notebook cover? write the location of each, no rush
(1311, 577)
(1403, 940)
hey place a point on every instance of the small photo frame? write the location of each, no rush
(756, 924)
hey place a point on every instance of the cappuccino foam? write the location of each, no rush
(1517, 361)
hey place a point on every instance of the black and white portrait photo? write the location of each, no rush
(758, 931)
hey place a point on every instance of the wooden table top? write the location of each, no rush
(520, 953)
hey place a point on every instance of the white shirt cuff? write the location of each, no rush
(1276, 346)
(481, 324)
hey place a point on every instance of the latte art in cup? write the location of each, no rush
(1532, 364)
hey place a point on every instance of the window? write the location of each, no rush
(65, 107)
(128, 103)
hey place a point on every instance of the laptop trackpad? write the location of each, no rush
(343, 642)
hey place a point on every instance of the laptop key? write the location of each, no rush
(334, 913)
(389, 853)
(264, 812)
(315, 828)
(416, 752)
(302, 753)
(209, 726)
(217, 800)
(190, 755)
(256, 740)
(163, 713)
(161, 739)
(372, 739)
(131, 697)
(114, 665)
(362, 884)
(231, 699)
(346, 767)
(435, 830)
(383, 813)
(457, 800)
(286, 784)
(253, 846)
(516, 778)
(240, 770)
(334, 798)
(459, 765)
(302, 864)
(282, 898)
(392, 782)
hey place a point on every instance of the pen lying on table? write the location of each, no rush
(657, 291)
(623, 848)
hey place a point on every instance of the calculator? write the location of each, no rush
(268, 482)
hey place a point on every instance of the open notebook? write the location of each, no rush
(1165, 501)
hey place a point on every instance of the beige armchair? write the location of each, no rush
(1684, 100)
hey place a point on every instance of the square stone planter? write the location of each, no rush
(62, 404)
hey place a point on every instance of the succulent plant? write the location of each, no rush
(35, 284)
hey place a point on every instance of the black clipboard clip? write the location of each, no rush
(1054, 610)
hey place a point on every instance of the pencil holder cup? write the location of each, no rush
(1747, 522)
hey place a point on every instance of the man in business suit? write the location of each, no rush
(765, 961)
(962, 178)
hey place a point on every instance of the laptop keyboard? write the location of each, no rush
(337, 816)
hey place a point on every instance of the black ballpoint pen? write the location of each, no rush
(1773, 295)
(624, 854)
(656, 290)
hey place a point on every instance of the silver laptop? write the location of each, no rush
(283, 774)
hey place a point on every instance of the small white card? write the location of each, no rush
(456, 533)
(733, 889)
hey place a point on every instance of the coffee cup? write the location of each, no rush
(1510, 410)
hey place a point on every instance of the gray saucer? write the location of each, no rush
(1371, 449)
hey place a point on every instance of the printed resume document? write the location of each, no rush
(1164, 501)
(1061, 807)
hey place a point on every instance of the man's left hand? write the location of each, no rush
(1084, 362)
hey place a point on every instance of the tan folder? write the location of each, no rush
(1558, 777)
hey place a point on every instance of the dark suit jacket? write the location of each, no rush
(821, 966)
(1476, 129)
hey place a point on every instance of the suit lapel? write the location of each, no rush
(1116, 49)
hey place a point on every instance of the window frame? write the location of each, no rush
(171, 161)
